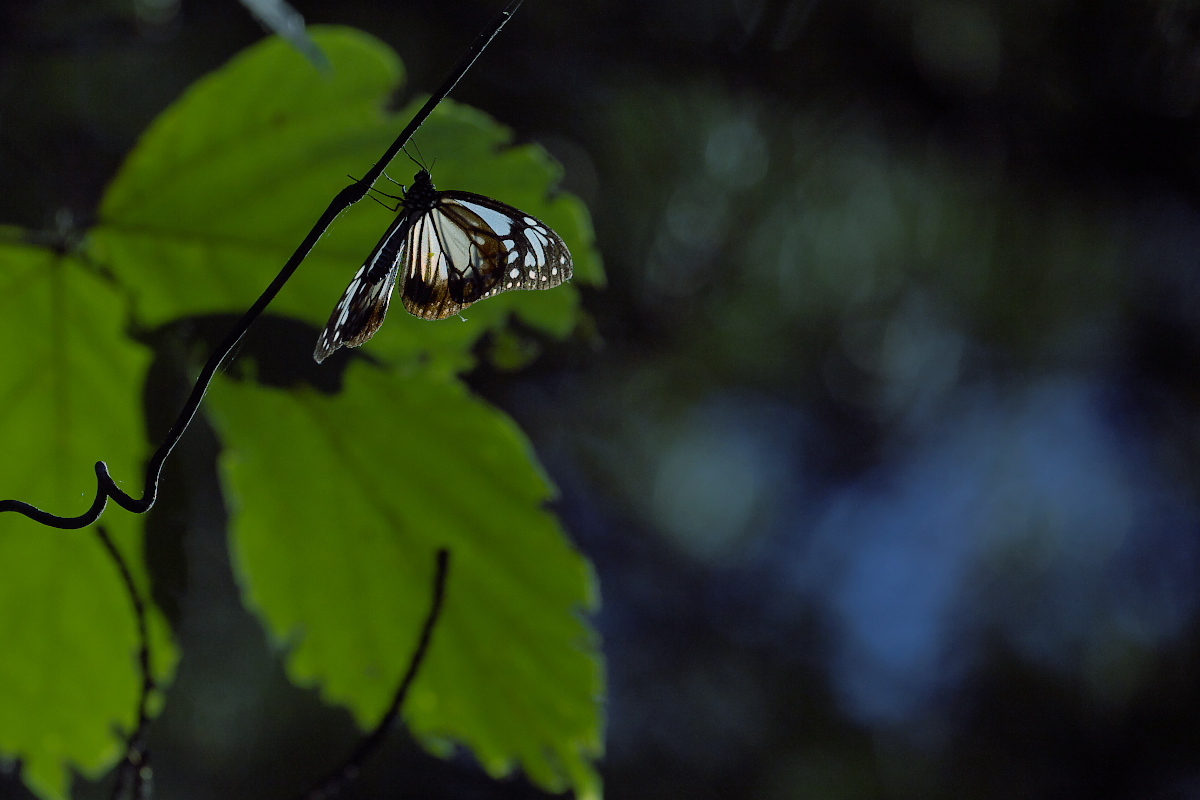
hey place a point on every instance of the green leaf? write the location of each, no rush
(225, 183)
(343, 501)
(69, 396)
(228, 180)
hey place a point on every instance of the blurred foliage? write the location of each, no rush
(288, 24)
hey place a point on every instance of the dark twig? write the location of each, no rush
(343, 775)
(134, 772)
(105, 486)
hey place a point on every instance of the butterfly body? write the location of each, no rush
(447, 250)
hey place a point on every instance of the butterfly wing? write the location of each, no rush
(448, 266)
(454, 248)
(468, 247)
(365, 302)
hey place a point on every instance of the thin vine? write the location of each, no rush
(337, 780)
(133, 774)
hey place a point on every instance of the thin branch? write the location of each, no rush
(134, 771)
(105, 486)
(343, 775)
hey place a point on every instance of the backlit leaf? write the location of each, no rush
(342, 503)
(69, 396)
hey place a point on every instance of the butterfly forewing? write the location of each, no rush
(453, 248)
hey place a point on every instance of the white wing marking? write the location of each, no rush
(456, 247)
(498, 222)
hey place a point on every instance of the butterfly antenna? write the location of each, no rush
(422, 155)
(414, 160)
(394, 208)
(385, 194)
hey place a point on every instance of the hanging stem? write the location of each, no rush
(339, 778)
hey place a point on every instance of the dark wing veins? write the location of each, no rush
(467, 250)
(364, 304)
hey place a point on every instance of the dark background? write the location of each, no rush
(882, 438)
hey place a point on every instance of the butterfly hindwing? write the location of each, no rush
(469, 247)
(531, 256)
(453, 248)
(365, 302)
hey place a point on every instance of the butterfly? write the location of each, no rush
(448, 250)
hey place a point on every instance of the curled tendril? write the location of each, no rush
(106, 487)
